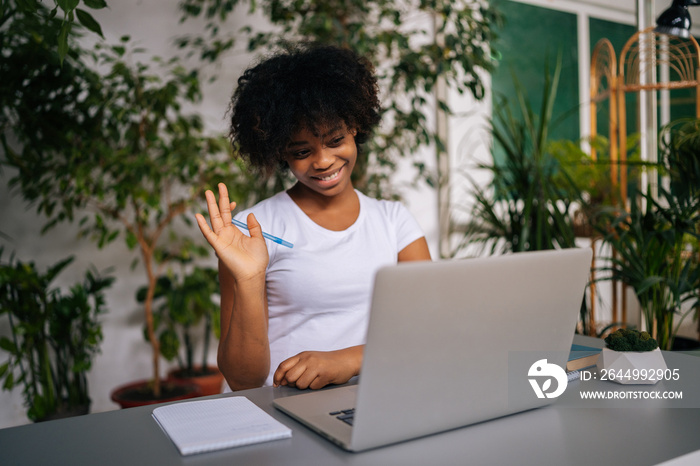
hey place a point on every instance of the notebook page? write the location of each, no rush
(207, 425)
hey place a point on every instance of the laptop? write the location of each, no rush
(441, 342)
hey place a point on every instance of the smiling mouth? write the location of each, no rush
(330, 177)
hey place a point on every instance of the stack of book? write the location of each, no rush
(582, 357)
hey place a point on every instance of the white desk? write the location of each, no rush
(555, 435)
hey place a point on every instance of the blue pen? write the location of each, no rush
(277, 240)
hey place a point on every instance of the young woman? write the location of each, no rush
(298, 316)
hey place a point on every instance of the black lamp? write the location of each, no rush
(676, 20)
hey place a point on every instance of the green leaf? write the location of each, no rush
(89, 22)
(169, 344)
(7, 345)
(95, 4)
(68, 5)
(63, 41)
(4, 368)
(131, 240)
(9, 382)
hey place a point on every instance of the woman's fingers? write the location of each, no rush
(219, 212)
(224, 204)
(209, 235)
(254, 227)
(214, 215)
(244, 257)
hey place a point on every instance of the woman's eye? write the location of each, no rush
(302, 154)
(336, 141)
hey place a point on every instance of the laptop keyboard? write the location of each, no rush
(345, 415)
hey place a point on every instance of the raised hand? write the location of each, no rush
(245, 257)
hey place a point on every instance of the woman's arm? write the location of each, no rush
(244, 350)
(243, 355)
(415, 251)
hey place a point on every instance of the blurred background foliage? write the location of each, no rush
(105, 139)
(412, 43)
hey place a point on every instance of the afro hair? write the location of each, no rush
(307, 87)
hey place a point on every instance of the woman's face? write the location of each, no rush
(323, 163)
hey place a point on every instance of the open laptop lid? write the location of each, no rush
(442, 336)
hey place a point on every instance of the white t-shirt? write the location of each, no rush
(319, 291)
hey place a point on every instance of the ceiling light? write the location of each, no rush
(676, 19)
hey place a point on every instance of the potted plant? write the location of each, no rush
(680, 143)
(187, 306)
(525, 206)
(631, 357)
(655, 242)
(651, 257)
(54, 336)
(114, 150)
(151, 166)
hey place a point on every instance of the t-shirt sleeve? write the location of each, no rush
(407, 228)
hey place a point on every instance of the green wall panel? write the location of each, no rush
(530, 38)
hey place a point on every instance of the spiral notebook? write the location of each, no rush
(214, 424)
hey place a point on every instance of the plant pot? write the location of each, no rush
(209, 382)
(631, 367)
(140, 393)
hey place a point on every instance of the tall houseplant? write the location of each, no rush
(54, 337)
(525, 206)
(113, 149)
(657, 240)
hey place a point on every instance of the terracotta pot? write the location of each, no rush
(209, 383)
(140, 393)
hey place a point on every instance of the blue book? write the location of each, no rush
(581, 357)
